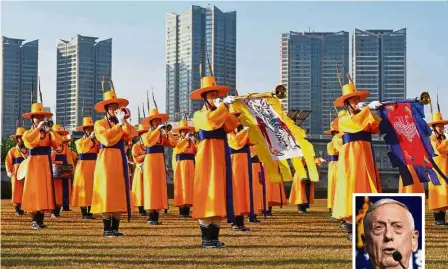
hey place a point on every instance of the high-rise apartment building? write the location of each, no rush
(18, 71)
(81, 64)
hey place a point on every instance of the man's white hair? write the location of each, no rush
(385, 201)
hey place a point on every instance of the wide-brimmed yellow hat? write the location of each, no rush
(437, 119)
(334, 124)
(183, 125)
(58, 129)
(141, 129)
(19, 132)
(110, 98)
(209, 84)
(154, 114)
(86, 122)
(67, 138)
(348, 91)
(37, 109)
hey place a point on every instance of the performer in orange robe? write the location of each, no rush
(38, 191)
(213, 199)
(241, 175)
(184, 153)
(12, 162)
(138, 156)
(88, 148)
(357, 170)
(111, 184)
(154, 169)
(438, 195)
(258, 186)
(275, 193)
(61, 155)
(302, 190)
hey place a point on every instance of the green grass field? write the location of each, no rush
(285, 240)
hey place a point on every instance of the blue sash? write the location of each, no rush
(255, 159)
(222, 135)
(124, 161)
(88, 156)
(17, 160)
(184, 156)
(155, 149)
(333, 158)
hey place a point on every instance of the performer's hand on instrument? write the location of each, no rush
(362, 105)
(188, 136)
(375, 105)
(92, 135)
(217, 102)
(41, 125)
(229, 100)
(160, 126)
(120, 116)
(246, 128)
(9, 174)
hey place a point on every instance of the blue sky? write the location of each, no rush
(138, 32)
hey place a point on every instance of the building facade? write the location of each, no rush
(18, 73)
(308, 70)
(195, 37)
(379, 63)
(81, 64)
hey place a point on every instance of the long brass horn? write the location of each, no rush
(279, 92)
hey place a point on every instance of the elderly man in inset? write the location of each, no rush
(388, 228)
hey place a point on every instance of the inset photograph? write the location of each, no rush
(389, 231)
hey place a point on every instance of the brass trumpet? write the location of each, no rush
(424, 98)
(279, 92)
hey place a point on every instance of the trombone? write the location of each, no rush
(424, 98)
(279, 92)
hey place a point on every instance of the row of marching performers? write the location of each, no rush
(213, 176)
(351, 162)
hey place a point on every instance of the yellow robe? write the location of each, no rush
(138, 155)
(84, 172)
(109, 184)
(257, 186)
(184, 172)
(210, 172)
(154, 170)
(240, 173)
(332, 150)
(58, 183)
(438, 195)
(38, 191)
(12, 163)
(357, 171)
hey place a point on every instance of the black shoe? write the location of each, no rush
(301, 209)
(254, 220)
(343, 226)
(208, 244)
(141, 211)
(350, 237)
(84, 212)
(107, 229)
(439, 218)
(205, 231)
(35, 226)
(269, 212)
(88, 217)
(115, 226)
(40, 220)
(214, 235)
(108, 234)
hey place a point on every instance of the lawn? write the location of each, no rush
(285, 240)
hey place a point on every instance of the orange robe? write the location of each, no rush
(154, 169)
(302, 190)
(85, 169)
(438, 195)
(257, 186)
(58, 183)
(240, 172)
(38, 191)
(12, 163)
(275, 193)
(210, 177)
(357, 171)
(138, 155)
(111, 176)
(185, 152)
(333, 155)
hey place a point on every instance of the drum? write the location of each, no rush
(62, 171)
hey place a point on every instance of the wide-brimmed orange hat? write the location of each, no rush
(334, 124)
(349, 91)
(110, 98)
(183, 125)
(19, 132)
(58, 129)
(208, 84)
(437, 119)
(141, 129)
(86, 122)
(37, 109)
(67, 138)
(154, 114)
